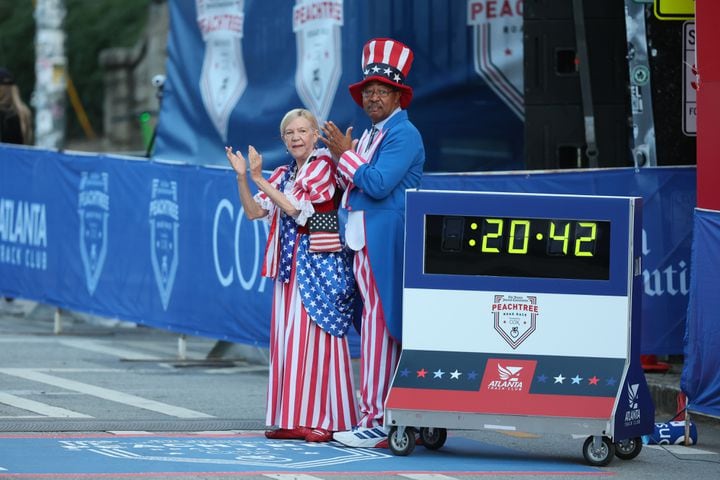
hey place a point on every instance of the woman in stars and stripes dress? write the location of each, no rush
(310, 389)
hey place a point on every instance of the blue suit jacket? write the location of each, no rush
(379, 191)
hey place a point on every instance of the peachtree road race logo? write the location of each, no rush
(515, 317)
(316, 24)
(632, 415)
(238, 451)
(164, 227)
(94, 211)
(223, 78)
(498, 48)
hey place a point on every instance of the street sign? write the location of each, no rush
(689, 119)
(674, 9)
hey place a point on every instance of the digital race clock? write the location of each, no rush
(517, 247)
(521, 312)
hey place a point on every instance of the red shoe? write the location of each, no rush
(297, 433)
(319, 435)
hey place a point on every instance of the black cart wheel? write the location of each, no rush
(629, 448)
(401, 444)
(433, 438)
(600, 454)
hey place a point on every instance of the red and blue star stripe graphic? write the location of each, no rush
(581, 387)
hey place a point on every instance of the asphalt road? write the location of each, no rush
(107, 399)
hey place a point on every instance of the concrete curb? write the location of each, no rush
(664, 389)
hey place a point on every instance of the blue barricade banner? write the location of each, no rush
(701, 371)
(167, 245)
(236, 67)
(161, 245)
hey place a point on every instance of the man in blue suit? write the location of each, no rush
(375, 172)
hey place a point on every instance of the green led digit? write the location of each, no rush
(498, 222)
(525, 229)
(559, 238)
(589, 239)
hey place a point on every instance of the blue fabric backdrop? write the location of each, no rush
(167, 245)
(701, 371)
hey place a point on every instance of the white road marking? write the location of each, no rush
(24, 339)
(38, 407)
(105, 393)
(105, 349)
(22, 417)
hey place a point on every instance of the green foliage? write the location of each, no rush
(90, 26)
(17, 43)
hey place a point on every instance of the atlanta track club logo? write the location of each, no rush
(514, 317)
(223, 78)
(316, 24)
(632, 415)
(508, 378)
(498, 48)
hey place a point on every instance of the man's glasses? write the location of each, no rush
(380, 92)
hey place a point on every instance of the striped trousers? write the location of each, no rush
(379, 353)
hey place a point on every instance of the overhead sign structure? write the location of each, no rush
(522, 311)
(674, 9)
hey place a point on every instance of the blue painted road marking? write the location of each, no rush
(252, 453)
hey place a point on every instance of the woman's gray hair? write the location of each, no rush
(295, 113)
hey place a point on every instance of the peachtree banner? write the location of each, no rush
(236, 66)
(167, 245)
(162, 245)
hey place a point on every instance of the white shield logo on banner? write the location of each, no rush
(93, 212)
(223, 78)
(515, 317)
(164, 227)
(498, 48)
(316, 24)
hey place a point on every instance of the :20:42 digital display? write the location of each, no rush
(523, 247)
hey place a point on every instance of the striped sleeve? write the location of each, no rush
(261, 198)
(316, 184)
(349, 162)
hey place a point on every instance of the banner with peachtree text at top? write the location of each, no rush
(236, 67)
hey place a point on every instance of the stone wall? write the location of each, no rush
(128, 81)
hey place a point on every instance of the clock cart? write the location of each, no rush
(521, 312)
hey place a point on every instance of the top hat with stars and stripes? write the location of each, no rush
(388, 61)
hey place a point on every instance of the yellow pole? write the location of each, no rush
(78, 108)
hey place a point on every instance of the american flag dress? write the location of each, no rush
(311, 379)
